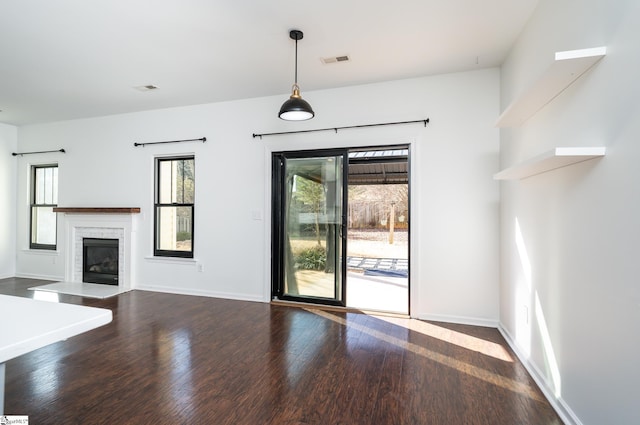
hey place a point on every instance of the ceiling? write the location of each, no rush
(381, 166)
(366, 167)
(69, 59)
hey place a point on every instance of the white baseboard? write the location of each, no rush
(459, 320)
(559, 405)
(40, 276)
(7, 276)
(213, 294)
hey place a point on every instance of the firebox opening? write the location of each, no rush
(100, 261)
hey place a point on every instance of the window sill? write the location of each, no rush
(45, 252)
(172, 260)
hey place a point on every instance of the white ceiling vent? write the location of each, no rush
(336, 59)
(147, 87)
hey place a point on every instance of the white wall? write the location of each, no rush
(454, 207)
(570, 298)
(8, 145)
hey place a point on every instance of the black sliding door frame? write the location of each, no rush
(279, 249)
(279, 240)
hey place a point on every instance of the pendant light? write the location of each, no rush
(296, 109)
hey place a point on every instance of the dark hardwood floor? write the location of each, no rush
(173, 359)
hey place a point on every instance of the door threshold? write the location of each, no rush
(334, 308)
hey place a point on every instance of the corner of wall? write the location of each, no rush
(559, 405)
(8, 191)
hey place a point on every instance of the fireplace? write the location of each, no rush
(100, 260)
(100, 223)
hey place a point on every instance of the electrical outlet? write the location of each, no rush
(200, 267)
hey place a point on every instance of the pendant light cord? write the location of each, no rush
(296, 67)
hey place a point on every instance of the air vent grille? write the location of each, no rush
(147, 87)
(336, 59)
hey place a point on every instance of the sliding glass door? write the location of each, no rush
(309, 247)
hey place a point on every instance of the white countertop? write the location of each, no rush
(27, 324)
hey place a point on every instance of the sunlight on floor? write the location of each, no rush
(479, 345)
(46, 296)
(389, 294)
(445, 360)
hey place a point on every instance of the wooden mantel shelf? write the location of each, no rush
(97, 210)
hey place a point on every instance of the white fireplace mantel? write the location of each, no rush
(109, 223)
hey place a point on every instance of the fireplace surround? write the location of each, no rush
(117, 224)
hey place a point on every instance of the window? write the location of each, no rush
(44, 197)
(174, 202)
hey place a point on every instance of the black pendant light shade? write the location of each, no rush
(296, 108)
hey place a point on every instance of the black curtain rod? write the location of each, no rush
(202, 139)
(30, 153)
(425, 121)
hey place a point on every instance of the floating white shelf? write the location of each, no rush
(567, 67)
(555, 158)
